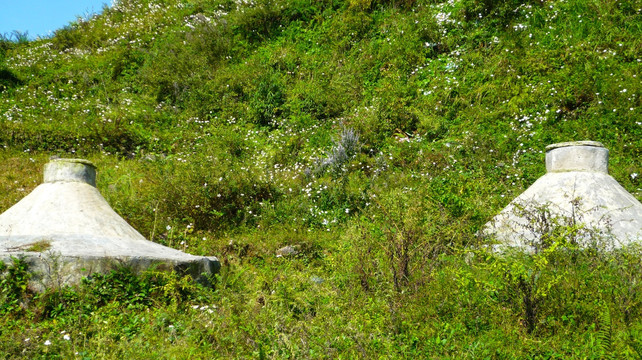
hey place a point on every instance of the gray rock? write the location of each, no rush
(289, 250)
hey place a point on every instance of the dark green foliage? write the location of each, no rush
(120, 285)
(260, 21)
(121, 288)
(14, 291)
(8, 80)
(66, 38)
(114, 138)
(267, 100)
(127, 64)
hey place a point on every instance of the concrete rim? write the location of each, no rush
(75, 161)
(574, 143)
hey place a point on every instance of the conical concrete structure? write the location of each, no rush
(576, 196)
(66, 230)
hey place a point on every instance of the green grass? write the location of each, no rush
(218, 126)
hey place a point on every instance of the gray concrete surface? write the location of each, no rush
(65, 225)
(575, 192)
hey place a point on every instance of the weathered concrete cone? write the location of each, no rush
(66, 230)
(576, 199)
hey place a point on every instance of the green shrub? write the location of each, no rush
(14, 290)
(266, 103)
(67, 38)
(259, 21)
(8, 80)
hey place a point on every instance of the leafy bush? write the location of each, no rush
(8, 80)
(14, 290)
(267, 101)
(67, 38)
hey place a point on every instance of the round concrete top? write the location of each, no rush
(70, 170)
(577, 156)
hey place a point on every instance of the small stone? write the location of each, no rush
(289, 250)
(149, 157)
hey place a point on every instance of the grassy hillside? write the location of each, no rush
(375, 137)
